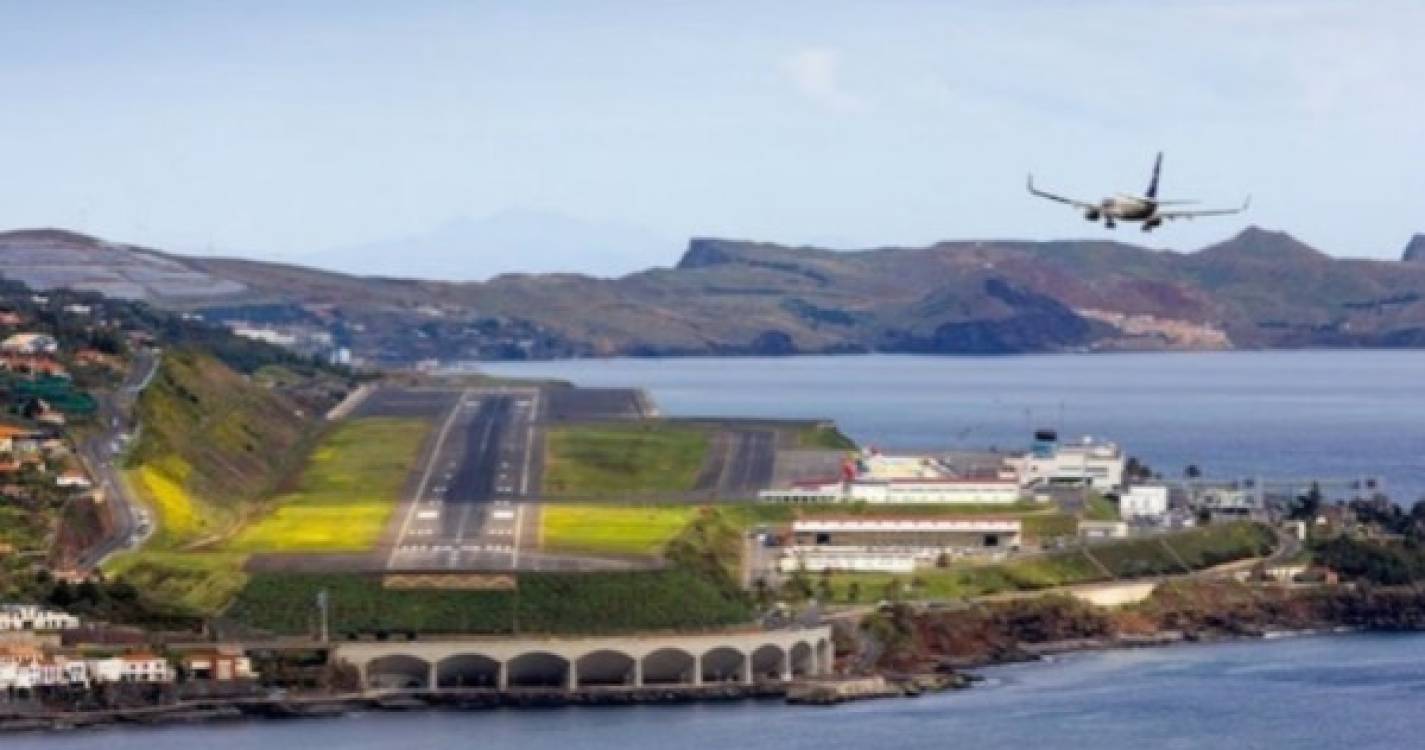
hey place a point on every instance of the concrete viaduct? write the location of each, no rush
(575, 663)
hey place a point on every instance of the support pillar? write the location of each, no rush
(787, 665)
(502, 677)
(698, 669)
(747, 669)
(638, 673)
(434, 682)
(572, 683)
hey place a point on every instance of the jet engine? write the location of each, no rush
(1092, 214)
(1152, 224)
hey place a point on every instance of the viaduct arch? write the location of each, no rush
(575, 663)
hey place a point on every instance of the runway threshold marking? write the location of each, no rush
(425, 477)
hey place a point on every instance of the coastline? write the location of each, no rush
(828, 692)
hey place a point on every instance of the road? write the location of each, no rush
(465, 512)
(102, 454)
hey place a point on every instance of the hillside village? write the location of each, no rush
(68, 363)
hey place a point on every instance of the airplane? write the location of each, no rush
(1146, 208)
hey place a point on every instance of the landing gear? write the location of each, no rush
(1151, 224)
(1109, 224)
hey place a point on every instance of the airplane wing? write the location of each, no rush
(1059, 198)
(1206, 212)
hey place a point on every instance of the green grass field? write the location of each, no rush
(612, 529)
(1132, 558)
(189, 583)
(825, 437)
(640, 458)
(1100, 508)
(346, 493)
(343, 500)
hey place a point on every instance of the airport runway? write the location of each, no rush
(465, 511)
(740, 462)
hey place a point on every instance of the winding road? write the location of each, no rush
(102, 454)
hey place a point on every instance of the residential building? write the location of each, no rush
(33, 617)
(141, 667)
(28, 668)
(30, 343)
(1229, 502)
(219, 664)
(73, 478)
(1144, 502)
(9, 434)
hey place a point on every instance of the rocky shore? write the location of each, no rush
(910, 639)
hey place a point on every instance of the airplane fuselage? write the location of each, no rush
(1125, 208)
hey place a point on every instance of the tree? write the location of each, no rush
(761, 591)
(1307, 507)
(853, 592)
(798, 586)
(1192, 472)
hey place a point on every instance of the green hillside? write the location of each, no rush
(213, 443)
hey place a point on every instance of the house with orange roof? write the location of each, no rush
(11, 434)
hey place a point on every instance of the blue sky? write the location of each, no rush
(286, 129)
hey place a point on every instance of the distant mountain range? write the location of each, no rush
(474, 249)
(1259, 289)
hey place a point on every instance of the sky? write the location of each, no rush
(334, 130)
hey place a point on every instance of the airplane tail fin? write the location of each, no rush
(1153, 185)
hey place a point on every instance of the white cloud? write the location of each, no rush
(816, 74)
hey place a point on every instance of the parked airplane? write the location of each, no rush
(1146, 208)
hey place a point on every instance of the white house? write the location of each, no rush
(34, 617)
(30, 343)
(131, 668)
(73, 479)
(1144, 502)
(27, 668)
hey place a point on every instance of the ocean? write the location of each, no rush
(1338, 416)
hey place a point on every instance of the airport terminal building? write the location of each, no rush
(895, 544)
